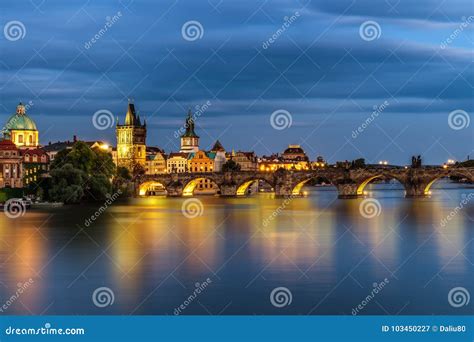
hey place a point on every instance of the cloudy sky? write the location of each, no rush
(323, 66)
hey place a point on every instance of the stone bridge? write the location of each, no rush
(349, 182)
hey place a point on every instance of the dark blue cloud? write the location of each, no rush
(318, 68)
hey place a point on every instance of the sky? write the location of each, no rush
(346, 79)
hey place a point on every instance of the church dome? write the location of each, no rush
(20, 121)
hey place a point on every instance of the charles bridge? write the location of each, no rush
(350, 183)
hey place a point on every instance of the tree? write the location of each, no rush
(81, 173)
(67, 184)
(231, 166)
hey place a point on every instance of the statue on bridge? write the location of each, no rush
(416, 162)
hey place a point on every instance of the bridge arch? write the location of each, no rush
(362, 185)
(459, 173)
(152, 188)
(297, 188)
(192, 184)
(243, 187)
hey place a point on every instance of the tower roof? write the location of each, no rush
(131, 116)
(218, 147)
(190, 127)
(20, 121)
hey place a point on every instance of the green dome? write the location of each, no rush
(20, 121)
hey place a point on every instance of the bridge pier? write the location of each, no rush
(174, 190)
(228, 190)
(347, 190)
(415, 190)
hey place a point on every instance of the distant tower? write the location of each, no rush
(189, 140)
(21, 129)
(131, 140)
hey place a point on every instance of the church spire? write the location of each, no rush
(190, 126)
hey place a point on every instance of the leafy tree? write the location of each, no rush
(230, 165)
(67, 184)
(81, 173)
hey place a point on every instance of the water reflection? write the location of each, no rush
(321, 248)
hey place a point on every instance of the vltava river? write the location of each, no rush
(328, 255)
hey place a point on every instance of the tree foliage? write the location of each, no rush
(230, 165)
(81, 173)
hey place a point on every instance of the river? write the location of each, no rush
(328, 256)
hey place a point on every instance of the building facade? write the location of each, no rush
(131, 140)
(11, 175)
(35, 165)
(247, 160)
(21, 129)
(293, 158)
(189, 139)
(155, 161)
(177, 162)
(220, 156)
(202, 162)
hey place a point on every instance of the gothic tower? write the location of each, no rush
(131, 140)
(189, 140)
